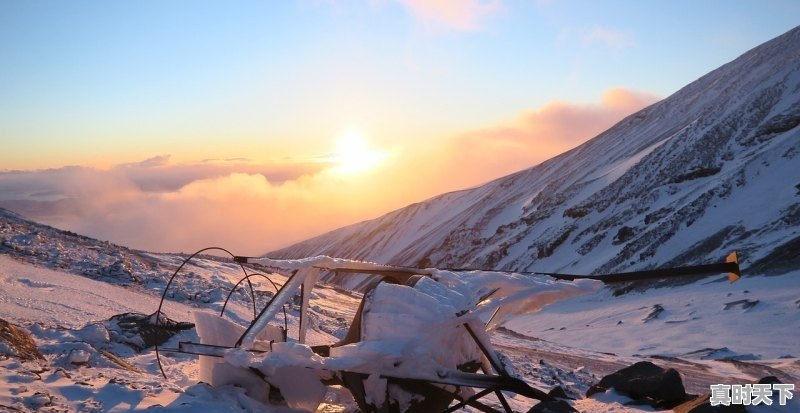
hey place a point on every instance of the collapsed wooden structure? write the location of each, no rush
(381, 381)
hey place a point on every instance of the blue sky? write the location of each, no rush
(87, 81)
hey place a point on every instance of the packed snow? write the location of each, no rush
(86, 371)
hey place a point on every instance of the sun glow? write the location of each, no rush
(353, 154)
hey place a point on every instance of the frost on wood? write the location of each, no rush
(16, 342)
(428, 328)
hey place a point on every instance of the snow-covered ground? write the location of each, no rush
(690, 320)
(62, 288)
(55, 298)
(62, 311)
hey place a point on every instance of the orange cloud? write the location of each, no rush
(251, 209)
(540, 134)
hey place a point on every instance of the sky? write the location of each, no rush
(171, 126)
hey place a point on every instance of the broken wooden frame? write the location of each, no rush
(495, 378)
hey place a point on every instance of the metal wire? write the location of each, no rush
(164, 295)
(285, 317)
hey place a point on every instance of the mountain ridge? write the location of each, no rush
(632, 197)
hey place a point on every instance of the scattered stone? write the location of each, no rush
(118, 270)
(140, 331)
(553, 406)
(645, 382)
(657, 309)
(78, 357)
(17, 342)
(744, 304)
(39, 400)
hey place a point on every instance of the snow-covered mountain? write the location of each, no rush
(714, 167)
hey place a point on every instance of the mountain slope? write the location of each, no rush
(714, 167)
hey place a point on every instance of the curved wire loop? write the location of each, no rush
(247, 277)
(164, 295)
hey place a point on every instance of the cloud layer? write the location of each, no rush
(540, 134)
(253, 208)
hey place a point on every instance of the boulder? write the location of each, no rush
(17, 342)
(769, 380)
(645, 382)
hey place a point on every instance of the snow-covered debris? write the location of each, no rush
(142, 331)
(78, 356)
(424, 326)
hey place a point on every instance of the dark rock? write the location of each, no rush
(700, 404)
(657, 309)
(769, 380)
(140, 331)
(623, 235)
(547, 250)
(594, 389)
(645, 382)
(744, 304)
(558, 393)
(695, 174)
(553, 406)
(17, 342)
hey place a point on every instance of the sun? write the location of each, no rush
(353, 154)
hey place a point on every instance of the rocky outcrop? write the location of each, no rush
(645, 382)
